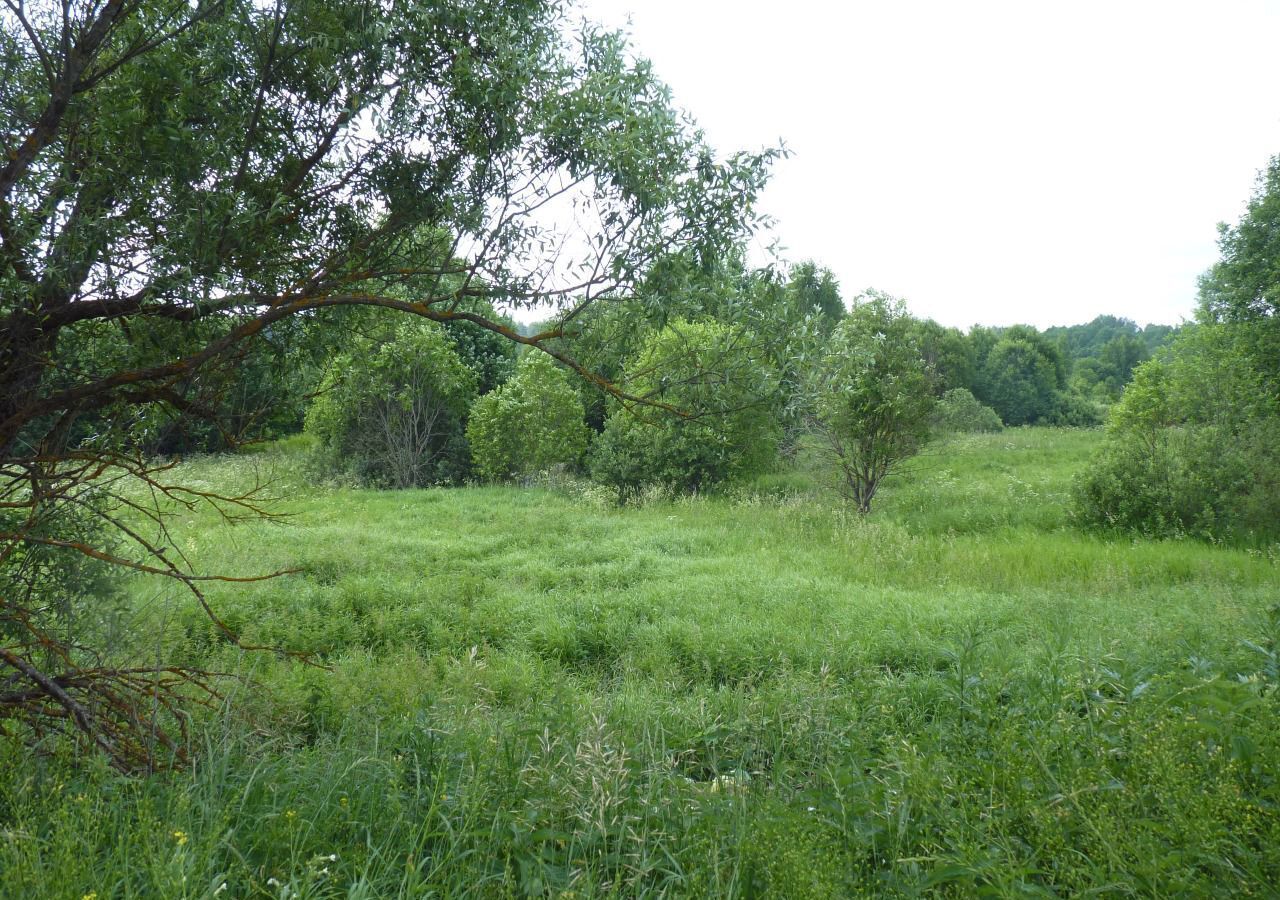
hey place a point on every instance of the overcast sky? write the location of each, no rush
(991, 162)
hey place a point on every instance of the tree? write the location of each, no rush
(873, 396)
(730, 428)
(1244, 285)
(1192, 445)
(949, 353)
(1119, 357)
(813, 290)
(388, 411)
(1022, 377)
(183, 179)
(530, 424)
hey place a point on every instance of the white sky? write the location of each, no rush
(991, 161)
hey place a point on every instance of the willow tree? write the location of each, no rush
(182, 181)
(872, 396)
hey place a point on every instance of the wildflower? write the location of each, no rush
(180, 837)
(92, 895)
(290, 814)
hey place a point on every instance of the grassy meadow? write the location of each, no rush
(532, 693)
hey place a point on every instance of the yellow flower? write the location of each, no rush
(290, 815)
(180, 837)
(92, 895)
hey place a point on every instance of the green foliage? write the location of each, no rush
(722, 424)
(950, 354)
(1244, 286)
(1075, 410)
(1088, 341)
(531, 424)
(391, 412)
(1119, 358)
(872, 396)
(622, 457)
(1105, 376)
(1022, 377)
(489, 355)
(959, 412)
(812, 290)
(61, 591)
(1186, 480)
(1192, 446)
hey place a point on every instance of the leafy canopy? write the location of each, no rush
(530, 424)
(873, 395)
(388, 410)
(729, 427)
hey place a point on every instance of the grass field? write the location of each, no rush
(533, 693)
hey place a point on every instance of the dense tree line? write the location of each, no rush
(729, 370)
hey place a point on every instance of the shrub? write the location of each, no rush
(57, 591)
(530, 424)
(1193, 447)
(64, 619)
(1186, 480)
(959, 412)
(391, 412)
(621, 457)
(1074, 410)
(726, 422)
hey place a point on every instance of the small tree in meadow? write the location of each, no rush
(389, 413)
(724, 423)
(872, 396)
(533, 422)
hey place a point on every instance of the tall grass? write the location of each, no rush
(533, 693)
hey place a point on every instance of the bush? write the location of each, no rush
(1074, 410)
(64, 618)
(726, 424)
(621, 457)
(959, 412)
(1188, 480)
(1193, 447)
(53, 591)
(530, 424)
(391, 412)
